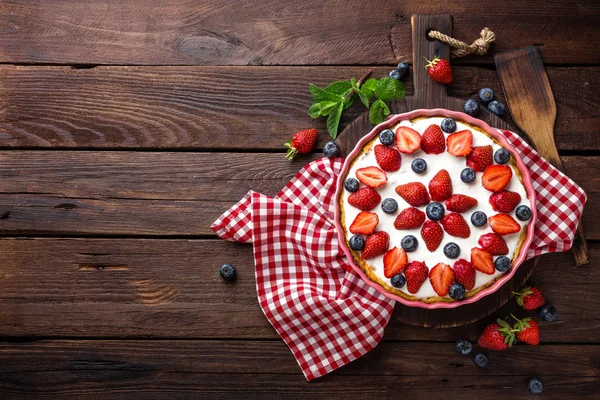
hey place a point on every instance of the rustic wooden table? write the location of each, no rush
(127, 127)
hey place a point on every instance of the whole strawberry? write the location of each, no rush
(530, 298)
(497, 336)
(528, 330)
(302, 142)
(439, 70)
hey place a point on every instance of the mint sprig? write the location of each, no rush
(331, 101)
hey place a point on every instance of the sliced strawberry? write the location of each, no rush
(376, 244)
(432, 234)
(460, 203)
(364, 199)
(414, 193)
(440, 186)
(480, 158)
(441, 277)
(433, 141)
(505, 201)
(459, 143)
(410, 218)
(415, 273)
(504, 224)
(364, 223)
(394, 262)
(407, 140)
(455, 225)
(496, 177)
(465, 273)
(373, 177)
(387, 158)
(493, 243)
(482, 261)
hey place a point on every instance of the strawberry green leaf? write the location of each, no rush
(333, 120)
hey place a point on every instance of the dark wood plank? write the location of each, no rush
(150, 369)
(133, 288)
(160, 193)
(183, 32)
(250, 108)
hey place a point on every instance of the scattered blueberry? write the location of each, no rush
(451, 250)
(467, 175)
(548, 313)
(409, 243)
(497, 108)
(478, 218)
(523, 213)
(389, 206)
(357, 242)
(227, 272)
(435, 211)
(398, 281)
(457, 291)
(419, 165)
(471, 107)
(481, 360)
(404, 70)
(501, 156)
(486, 95)
(535, 386)
(502, 264)
(394, 74)
(387, 137)
(448, 125)
(351, 185)
(331, 149)
(463, 347)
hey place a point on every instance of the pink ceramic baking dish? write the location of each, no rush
(526, 181)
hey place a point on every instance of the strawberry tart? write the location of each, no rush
(434, 209)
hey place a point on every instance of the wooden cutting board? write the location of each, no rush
(430, 94)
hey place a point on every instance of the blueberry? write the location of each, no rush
(419, 165)
(502, 264)
(501, 156)
(481, 360)
(435, 211)
(471, 107)
(467, 175)
(448, 125)
(387, 137)
(331, 149)
(451, 250)
(478, 218)
(389, 206)
(357, 242)
(395, 74)
(486, 95)
(398, 281)
(463, 347)
(404, 70)
(548, 313)
(227, 272)
(457, 291)
(351, 185)
(409, 243)
(535, 386)
(523, 213)
(497, 108)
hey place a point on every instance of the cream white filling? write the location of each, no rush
(435, 162)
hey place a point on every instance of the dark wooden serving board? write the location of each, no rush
(430, 94)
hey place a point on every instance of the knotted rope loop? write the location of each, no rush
(479, 46)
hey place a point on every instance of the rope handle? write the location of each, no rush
(479, 46)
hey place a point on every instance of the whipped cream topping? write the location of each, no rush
(435, 162)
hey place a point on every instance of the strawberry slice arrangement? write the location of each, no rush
(435, 213)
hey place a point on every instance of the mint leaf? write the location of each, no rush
(333, 120)
(320, 95)
(340, 88)
(321, 109)
(387, 88)
(370, 85)
(363, 97)
(349, 100)
(378, 111)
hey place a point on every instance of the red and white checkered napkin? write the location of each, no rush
(325, 313)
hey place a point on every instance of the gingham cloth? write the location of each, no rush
(325, 313)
